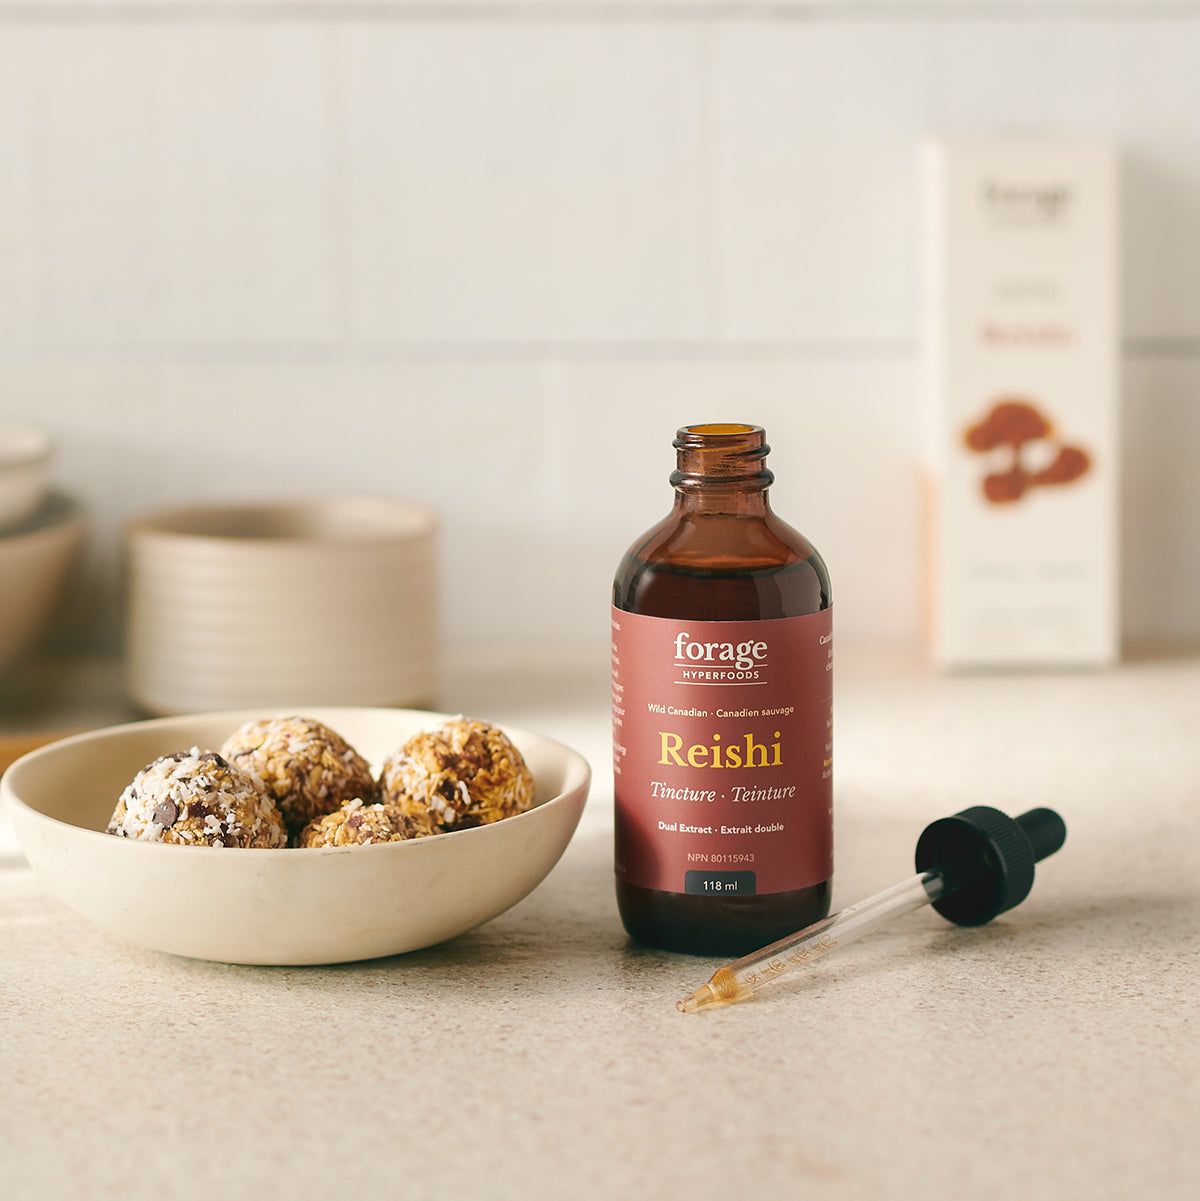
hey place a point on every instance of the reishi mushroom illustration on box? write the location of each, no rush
(1021, 431)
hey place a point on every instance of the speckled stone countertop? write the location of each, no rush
(1052, 1054)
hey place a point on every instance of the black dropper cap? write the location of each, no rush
(986, 859)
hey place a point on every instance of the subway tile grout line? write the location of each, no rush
(216, 355)
(533, 352)
(586, 11)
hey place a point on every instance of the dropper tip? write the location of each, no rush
(701, 998)
(722, 989)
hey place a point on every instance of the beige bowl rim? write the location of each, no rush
(318, 520)
(22, 445)
(59, 516)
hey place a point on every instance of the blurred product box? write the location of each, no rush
(1021, 331)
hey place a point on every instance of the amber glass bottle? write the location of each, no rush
(721, 711)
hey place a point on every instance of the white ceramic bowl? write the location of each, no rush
(321, 601)
(295, 906)
(24, 471)
(34, 560)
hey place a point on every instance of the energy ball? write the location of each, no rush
(308, 768)
(355, 824)
(465, 773)
(198, 798)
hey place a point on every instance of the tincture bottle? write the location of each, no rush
(722, 711)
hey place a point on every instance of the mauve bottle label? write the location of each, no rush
(722, 737)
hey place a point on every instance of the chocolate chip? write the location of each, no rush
(355, 820)
(166, 813)
(198, 810)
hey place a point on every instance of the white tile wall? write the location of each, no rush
(491, 255)
(1161, 510)
(524, 181)
(181, 185)
(813, 172)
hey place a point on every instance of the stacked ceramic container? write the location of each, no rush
(40, 532)
(282, 604)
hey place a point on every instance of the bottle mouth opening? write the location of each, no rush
(729, 453)
(695, 437)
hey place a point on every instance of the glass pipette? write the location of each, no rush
(970, 867)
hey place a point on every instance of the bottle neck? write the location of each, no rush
(722, 469)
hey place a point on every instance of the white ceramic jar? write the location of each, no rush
(278, 604)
